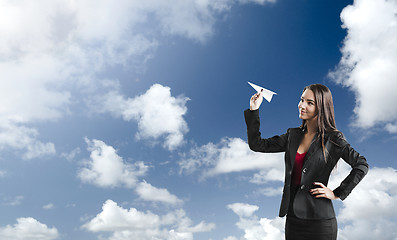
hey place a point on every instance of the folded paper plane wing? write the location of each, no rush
(267, 94)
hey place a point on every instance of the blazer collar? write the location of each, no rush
(296, 139)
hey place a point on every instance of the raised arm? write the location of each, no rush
(258, 144)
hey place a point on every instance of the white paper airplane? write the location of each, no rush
(267, 94)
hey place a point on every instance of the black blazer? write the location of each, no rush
(315, 167)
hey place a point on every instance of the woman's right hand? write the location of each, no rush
(256, 100)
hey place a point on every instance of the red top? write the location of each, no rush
(297, 171)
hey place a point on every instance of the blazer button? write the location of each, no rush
(304, 170)
(302, 187)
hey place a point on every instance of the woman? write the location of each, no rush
(311, 152)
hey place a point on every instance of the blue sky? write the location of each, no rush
(125, 120)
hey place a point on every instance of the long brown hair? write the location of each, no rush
(325, 111)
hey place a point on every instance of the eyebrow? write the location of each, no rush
(308, 99)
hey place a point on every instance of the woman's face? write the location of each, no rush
(307, 106)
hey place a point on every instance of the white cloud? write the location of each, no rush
(159, 115)
(255, 228)
(378, 190)
(199, 158)
(266, 175)
(132, 224)
(76, 29)
(16, 201)
(262, 2)
(28, 229)
(115, 217)
(382, 229)
(356, 220)
(73, 32)
(28, 95)
(49, 206)
(149, 193)
(230, 238)
(52, 52)
(270, 191)
(369, 211)
(243, 209)
(392, 128)
(368, 61)
(30, 80)
(71, 155)
(231, 155)
(19, 137)
(107, 169)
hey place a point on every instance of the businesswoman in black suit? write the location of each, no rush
(311, 152)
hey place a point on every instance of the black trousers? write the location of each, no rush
(303, 229)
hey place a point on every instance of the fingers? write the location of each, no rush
(260, 93)
(256, 101)
(319, 184)
(257, 95)
(319, 193)
(322, 192)
(317, 190)
(321, 196)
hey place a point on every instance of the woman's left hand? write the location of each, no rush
(323, 191)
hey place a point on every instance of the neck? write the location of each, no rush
(311, 126)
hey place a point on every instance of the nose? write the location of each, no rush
(300, 104)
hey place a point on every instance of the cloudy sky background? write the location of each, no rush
(125, 120)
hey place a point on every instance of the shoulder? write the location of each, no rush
(337, 138)
(336, 135)
(294, 132)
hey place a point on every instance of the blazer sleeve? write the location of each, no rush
(359, 168)
(258, 144)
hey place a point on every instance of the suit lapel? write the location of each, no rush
(314, 147)
(296, 138)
